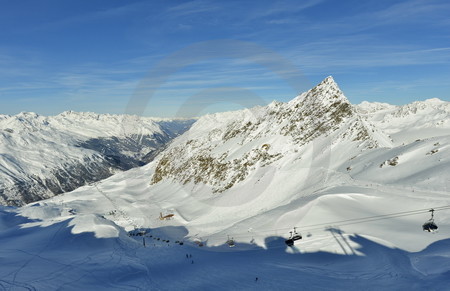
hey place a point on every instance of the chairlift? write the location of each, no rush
(230, 242)
(293, 237)
(296, 236)
(289, 242)
(430, 226)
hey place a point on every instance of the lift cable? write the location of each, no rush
(350, 221)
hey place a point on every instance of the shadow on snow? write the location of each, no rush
(52, 257)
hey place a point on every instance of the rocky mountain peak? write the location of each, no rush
(328, 84)
(223, 149)
(325, 93)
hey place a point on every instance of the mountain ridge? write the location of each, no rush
(226, 147)
(409, 122)
(42, 156)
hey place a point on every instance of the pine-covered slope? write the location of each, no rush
(43, 156)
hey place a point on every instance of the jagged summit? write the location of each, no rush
(325, 93)
(328, 82)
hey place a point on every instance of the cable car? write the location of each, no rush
(430, 226)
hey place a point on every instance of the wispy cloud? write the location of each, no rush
(127, 10)
(192, 7)
(283, 21)
(412, 11)
(18, 63)
(370, 37)
(282, 7)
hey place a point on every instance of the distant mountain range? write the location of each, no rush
(43, 156)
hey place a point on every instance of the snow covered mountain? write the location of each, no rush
(225, 148)
(317, 165)
(406, 123)
(43, 156)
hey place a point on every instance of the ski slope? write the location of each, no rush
(44, 246)
(60, 259)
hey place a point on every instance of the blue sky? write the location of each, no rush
(181, 58)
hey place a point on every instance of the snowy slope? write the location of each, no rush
(57, 257)
(42, 156)
(313, 163)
